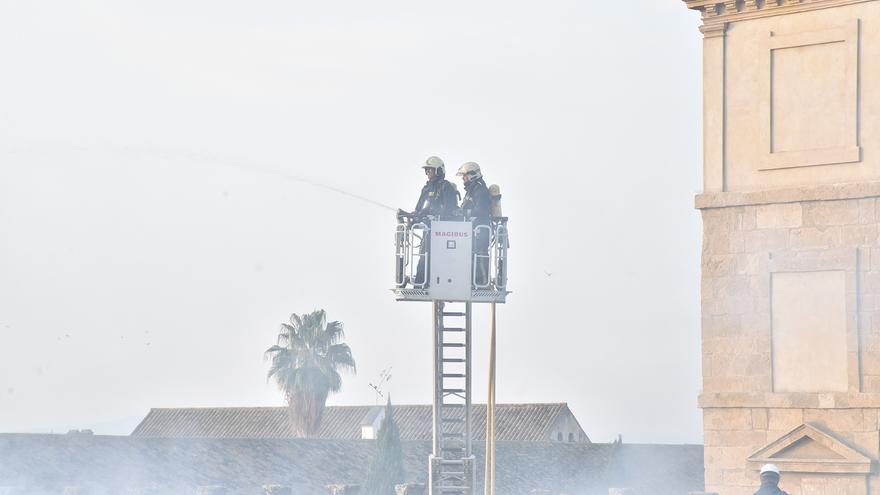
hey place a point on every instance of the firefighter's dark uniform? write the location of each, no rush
(438, 199)
(476, 204)
(770, 487)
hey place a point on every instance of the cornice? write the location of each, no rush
(827, 192)
(831, 400)
(716, 13)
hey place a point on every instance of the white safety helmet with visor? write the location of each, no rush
(435, 163)
(471, 170)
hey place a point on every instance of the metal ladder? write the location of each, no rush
(452, 463)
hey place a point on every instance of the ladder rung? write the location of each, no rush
(452, 344)
(453, 329)
(454, 313)
(452, 461)
(454, 375)
(453, 435)
(453, 360)
(453, 390)
(453, 405)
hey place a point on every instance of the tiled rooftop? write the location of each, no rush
(514, 422)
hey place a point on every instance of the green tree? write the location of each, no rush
(306, 363)
(386, 470)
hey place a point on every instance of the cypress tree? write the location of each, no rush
(386, 469)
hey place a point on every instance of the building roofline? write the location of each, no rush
(565, 404)
(352, 406)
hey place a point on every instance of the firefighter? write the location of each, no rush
(477, 199)
(439, 198)
(475, 206)
(770, 481)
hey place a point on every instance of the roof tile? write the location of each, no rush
(515, 422)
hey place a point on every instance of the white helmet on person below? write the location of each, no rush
(470, 169)
(437, 164)
(770, 468)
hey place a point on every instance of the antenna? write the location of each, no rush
(384, 377)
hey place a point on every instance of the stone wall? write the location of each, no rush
(790, 93)
(731, 435)
(791, 255)
(744, 247)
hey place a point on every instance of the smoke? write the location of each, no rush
(105, 465)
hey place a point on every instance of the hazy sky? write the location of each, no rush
(150, 243)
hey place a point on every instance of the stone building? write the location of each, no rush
(791, 261)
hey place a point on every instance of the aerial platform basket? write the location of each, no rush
(453, 263)
(451, 260)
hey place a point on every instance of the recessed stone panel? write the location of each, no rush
(810, 111)
(809, 331)
(815, 73)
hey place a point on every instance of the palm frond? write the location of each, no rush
(340, 356)
(334, 333)
(295, 321)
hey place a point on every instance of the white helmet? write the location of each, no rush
(769, 468)
(471, 169)
(437, 164)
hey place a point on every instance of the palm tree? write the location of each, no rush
(306, 363)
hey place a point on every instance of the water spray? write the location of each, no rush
(228, 163)
(264, 170)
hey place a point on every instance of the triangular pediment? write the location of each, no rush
(808, 449)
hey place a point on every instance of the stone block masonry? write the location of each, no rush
(747, 247)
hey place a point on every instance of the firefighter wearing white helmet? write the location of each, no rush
(477, 199)
(470, 170)
(476, 206)
(438, 197)
(770, 481)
